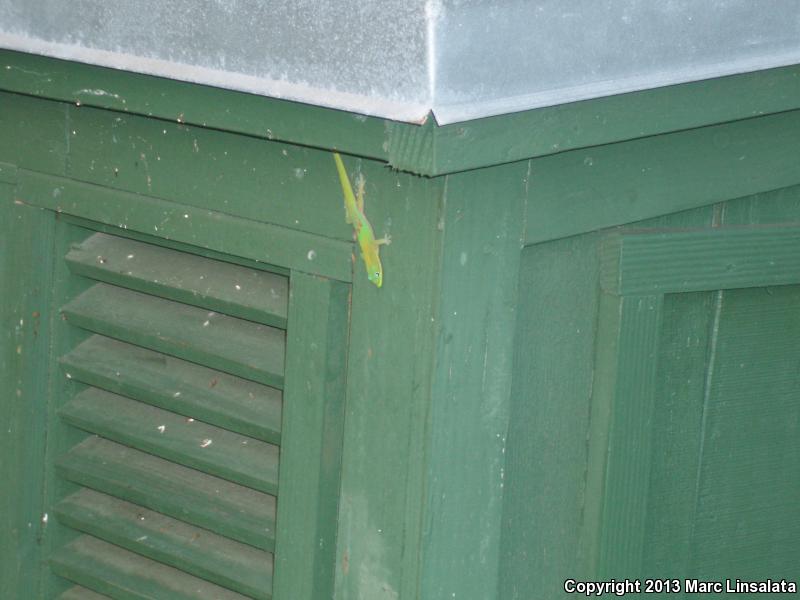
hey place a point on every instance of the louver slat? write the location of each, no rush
(203, 500)
(215, 451)
(81, 593)
(122, 574)
(204, 394)
(199, 552)
(231, 289)
(182, 389)
(236, 346)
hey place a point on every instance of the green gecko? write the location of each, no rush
(354, 214)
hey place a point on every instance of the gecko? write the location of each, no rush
(354, 214)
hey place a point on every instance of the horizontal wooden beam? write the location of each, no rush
(594, 188)
(215, 231)
(193, 104)
(692, 261)
(425, 150)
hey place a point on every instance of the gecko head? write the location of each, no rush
(376, 277)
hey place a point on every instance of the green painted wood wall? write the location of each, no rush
(583, 362)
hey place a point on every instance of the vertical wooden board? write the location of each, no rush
(627, 472)
(686, 343)
(58, 391)
(33, 133)
(549, 418)
(313, 419)
(388, 392)
(239, 175)
(746, 521)
(483, 227)
(26, 252)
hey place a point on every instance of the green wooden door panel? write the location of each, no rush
(721, 501)
(748, 490)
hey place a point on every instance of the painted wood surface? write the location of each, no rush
(471, 460)
(197, 551)
(314, 412)
(26, 258)
(179, 386)
(389, 378)
(186, 278)
(428, 149)
(216, 231)
(620, 183)
(483, 219)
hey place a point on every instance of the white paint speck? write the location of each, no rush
(206, 443)
(311, 255)
(162, 428)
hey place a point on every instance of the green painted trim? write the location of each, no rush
(60, 437)
(426, 150)
(26, 276)
(389, 373)
(8, 173)
(627, 474)
(33, 132)
(180, 246)
(483, 217)
(703, 260)
(282, 184)
(544, 131)
(193, 104)
(592, 189)
(216, 231)
(313, 423)
(623, 393)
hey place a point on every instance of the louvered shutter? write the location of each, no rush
(177, 377)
